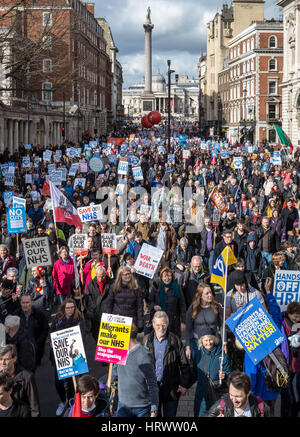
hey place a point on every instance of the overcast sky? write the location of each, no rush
(179, 32)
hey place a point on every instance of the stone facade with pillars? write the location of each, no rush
(291, 70)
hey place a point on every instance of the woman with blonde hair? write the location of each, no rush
(125, 298)
(204, 312)
(166, 295)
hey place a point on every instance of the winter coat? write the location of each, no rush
(175, 307)
(170, 242)
(241, 241)
(39, 300)
(182, 257)
(87, 272)
(63, 276)
(273, 242)
(292, 354)
(5, 264)
(176, 367)
(18, 409)
(97, 299)
(126, 302)
(26, 349)
(25, 390)
(212, 358)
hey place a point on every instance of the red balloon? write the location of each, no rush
(146, 122)
(154, 117)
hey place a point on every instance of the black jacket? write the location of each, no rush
(126, 302)
(176, 367)
(241, 241)
(37, 325)
(221, 246)
(94, 312)
(26, 349)
(17, 409)
(25, 390)
(228, 410)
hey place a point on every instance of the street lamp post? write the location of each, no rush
(245, 108)
(169, 102)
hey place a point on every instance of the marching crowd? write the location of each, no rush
(178, 315)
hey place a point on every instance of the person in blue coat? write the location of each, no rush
(257, 372)
(207, 361)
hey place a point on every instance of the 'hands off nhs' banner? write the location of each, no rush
(286, 287)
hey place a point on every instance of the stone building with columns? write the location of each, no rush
(291, 70)
(184, 98)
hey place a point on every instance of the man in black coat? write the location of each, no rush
(289, 215)
(10, 407)
(35, 322)
(227, 240)
(25, 388)
(173, 372)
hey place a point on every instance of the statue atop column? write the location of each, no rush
(148, 16)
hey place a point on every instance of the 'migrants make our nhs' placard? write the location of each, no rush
(286, 287)
(255, 330)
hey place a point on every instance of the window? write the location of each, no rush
(47, 65)
(47, 19)
(272, 136)
(252, 43)
(272, 42)
(272, 65)
(47, 42)
(272, 110)
(244, 47)
(47, 91)
(272, 87)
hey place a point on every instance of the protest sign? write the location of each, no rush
(90, 213)
(16, 220)
(148, 260)
(69, 353)
(9, 180)
(18, 201)
(96, 164)
(113, 339)
(28, 179)
(47, 154)
(171, 158)
(8, 198)
(82, 167)
(78, 244)
(123, 167)
(237, 162)
(73, 169)
(37, 252)
(63, 171)
(109, 244)
(186, 154)
(286, 287)
(137, 173)
(79, 181)
(55, 178)
(182, 140)
(26, 162)
(218, 200)
(255, 330)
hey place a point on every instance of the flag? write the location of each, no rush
(284, 139)
(218, 200)
(77, 407)
(219, 272)
(63, 210)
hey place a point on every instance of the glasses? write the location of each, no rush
(196, 267)
(126, 274)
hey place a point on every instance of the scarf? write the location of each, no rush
(162, 295)
(101, 285)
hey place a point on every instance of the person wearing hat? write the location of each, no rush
(207, 361)
(181, 257)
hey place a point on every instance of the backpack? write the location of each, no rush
(277, 374)
(260, 406)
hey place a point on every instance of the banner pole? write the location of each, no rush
(109, 376)
(224, 313)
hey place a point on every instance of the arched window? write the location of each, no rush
(272, 42)
(272, 65)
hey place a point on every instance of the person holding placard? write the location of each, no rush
(125, 298)
(6, 260)
(67, 316)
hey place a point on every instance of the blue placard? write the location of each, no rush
(255, 330)
(286, 287)
(8, 198)
(182, 140)
(16, 220)
(96, 164)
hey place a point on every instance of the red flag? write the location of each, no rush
(63, 210)
(46, 189)
(116, 141)
(77, 407)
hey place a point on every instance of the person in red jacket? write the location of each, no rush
(63, 274)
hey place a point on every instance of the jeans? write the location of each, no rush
(208, 261)
(124, 411)
(168, 408)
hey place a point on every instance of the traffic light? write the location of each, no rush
(63, 131)
(95, 130)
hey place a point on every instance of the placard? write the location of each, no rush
(8, 198)
(69, 353)
(286, 287)
(78, 244)
(37, 252)
(255, 330)
(18, 201)
(148, 260)
(137, 173)
(79, 181)
(113, 339)
(90, 213)
(123, 167)
(16, 220)
(109, 244)
(96, 164)
(73, 169)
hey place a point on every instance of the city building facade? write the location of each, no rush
(291, 70)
